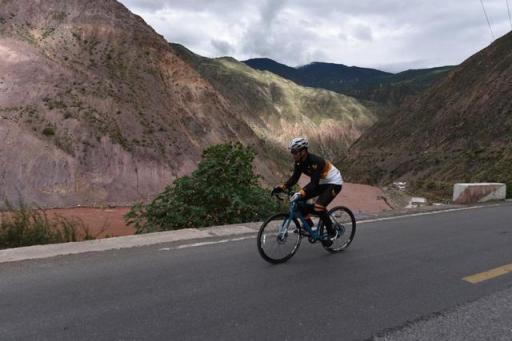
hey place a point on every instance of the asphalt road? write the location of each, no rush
(395, 273)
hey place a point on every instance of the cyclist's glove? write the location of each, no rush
(295, 197)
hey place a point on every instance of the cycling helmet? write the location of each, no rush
(298, 143)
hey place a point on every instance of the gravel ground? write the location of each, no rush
(489, 318)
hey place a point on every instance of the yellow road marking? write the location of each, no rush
(493, 273)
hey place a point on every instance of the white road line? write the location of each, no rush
(358, 222)
(213, 243)
(424, 213)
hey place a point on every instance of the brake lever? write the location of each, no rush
(279, 197)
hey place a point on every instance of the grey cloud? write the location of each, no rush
(406, 65)
(221, 7)
(362, 32)
(387, 33)
(222, 47)
(270, 10)
(260, 38)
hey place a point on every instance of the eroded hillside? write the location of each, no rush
(458, 130)
(97, 108)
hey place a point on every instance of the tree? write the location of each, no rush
(222, 190)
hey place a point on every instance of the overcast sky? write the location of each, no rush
(391, 35)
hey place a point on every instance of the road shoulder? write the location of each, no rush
(197, 236)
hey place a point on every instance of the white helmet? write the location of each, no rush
(298, 143)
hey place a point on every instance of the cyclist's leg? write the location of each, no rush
(324, 199)
(308, 208)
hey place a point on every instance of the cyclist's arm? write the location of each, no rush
(294, 178)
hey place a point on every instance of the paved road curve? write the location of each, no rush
(395, 271)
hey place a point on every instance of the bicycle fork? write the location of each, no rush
(283, 230)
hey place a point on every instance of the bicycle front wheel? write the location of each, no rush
(344, 222)
(276, 242)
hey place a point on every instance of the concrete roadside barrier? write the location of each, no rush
(469, 193)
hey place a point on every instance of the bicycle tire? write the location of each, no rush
(268, 234)
(346, 221)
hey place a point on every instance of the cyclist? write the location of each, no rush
(326, 182)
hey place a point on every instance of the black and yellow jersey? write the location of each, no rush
(320, 171)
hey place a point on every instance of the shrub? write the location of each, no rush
(24, 226)
(49, 131)
(434, 190)
(222, 190)
(47, 32)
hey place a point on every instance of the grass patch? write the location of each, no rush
(24, 226)
(440, 191)
(47, 32)
(65, 143)
(27, 36)
(59, 16)
(54, 104)
(49, 131)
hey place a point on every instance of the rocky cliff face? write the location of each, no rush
(111, 114)
(458, 130)
(97, 108)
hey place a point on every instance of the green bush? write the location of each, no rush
(24, 226)
(509, 190)
(222, 190)
(49, 131)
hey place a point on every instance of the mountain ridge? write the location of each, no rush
(362, 83)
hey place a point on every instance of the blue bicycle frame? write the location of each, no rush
(294, 213)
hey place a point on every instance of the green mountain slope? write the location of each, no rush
(278, 109)
(458, 130)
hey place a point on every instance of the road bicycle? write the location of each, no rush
(280, 235)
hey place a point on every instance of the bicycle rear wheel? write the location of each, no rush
(344, 222)
(274, 245)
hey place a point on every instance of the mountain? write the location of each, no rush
(278, 110)
(335, 77)
(96, 108)
(460, 129)
(398, 88)
(362, 83)
(267, 64)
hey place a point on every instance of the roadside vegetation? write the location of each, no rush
(24, 226)
(434, 191)
(222, 190)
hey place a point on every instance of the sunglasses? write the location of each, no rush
(296, 151)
